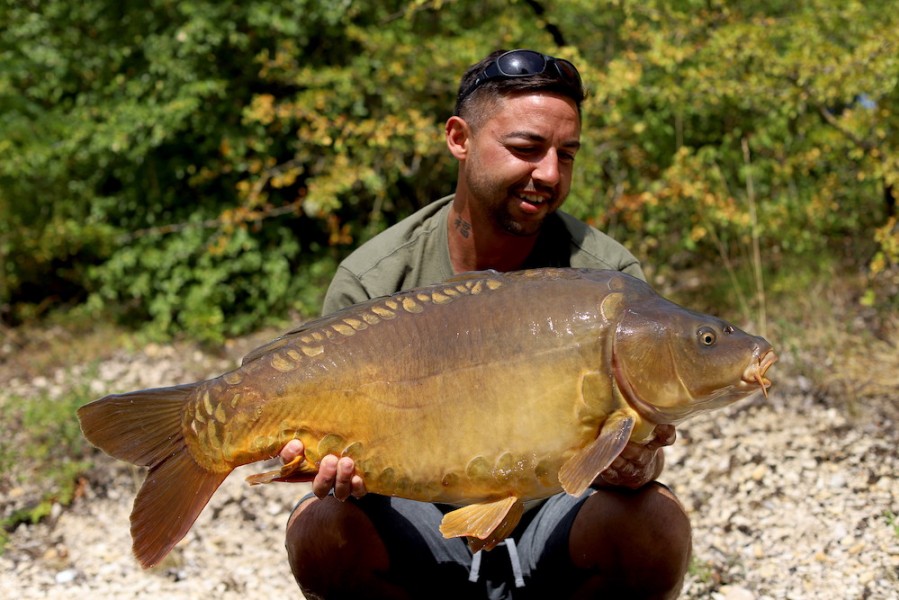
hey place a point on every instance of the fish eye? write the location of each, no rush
(707, 336)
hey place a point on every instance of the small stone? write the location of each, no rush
(66, 577)
(759, 472)
(735, 592)
(805, 384)
(837, 481)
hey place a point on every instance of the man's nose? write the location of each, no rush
(547, 169)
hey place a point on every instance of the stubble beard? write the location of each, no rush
(496, 203)
(501, 217)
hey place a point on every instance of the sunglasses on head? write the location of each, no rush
(525, 63)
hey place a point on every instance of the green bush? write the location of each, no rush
(199, 167)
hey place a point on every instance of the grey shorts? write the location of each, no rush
(429, 566)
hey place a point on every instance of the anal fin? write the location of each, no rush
(580, 470)
(296, 470)
(485, 524)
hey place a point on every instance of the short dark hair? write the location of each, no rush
(472, 105)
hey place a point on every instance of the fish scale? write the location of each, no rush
(485, 392)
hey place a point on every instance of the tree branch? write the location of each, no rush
(551, 28)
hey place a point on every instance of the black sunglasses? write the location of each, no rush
(524, 63)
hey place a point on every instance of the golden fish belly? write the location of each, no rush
(489, 430)
(458, 402)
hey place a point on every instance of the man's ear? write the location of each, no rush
(458, 136)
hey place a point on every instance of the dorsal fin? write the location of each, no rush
(302, 329)
(471, 275)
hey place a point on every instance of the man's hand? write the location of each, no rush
(333, 473)
(638, 464)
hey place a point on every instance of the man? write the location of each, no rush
(515, 133)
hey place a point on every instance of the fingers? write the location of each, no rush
(638, 464)
(665, 435)
(343, 482)
(358, 487)
(634, 454)
(642, 454)
(339, 475)
(628, 475)
(291, 450)
(327, 476)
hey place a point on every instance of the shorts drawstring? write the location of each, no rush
(516, 562)
(509, 543)
(475, 567)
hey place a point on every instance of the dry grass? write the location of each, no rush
(847, 353)
(28, 352)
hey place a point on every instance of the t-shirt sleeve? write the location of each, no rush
(636, 270)
(345, 290)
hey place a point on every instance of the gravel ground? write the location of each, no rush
(789, 498)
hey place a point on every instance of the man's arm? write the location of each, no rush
(345, 290)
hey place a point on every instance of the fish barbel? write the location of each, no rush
(486, 391)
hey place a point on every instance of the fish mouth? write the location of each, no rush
(755, 371)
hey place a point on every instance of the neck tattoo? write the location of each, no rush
(463, 227)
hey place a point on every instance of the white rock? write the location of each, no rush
(735, 592)
(65, 577)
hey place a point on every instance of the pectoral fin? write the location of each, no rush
(486, 524)
(296, 470)
(581, 469)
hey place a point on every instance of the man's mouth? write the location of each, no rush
(532, 198)
(532, 203)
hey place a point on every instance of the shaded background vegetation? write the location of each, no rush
(198, 167)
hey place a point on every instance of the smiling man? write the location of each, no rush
(514, 171)
(516, 133)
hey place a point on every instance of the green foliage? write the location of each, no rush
(751, 137)
(892, 521)
(884, 268)
(200, 166)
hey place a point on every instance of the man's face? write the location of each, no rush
(521, 158)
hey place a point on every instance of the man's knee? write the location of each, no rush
(632, 539)
(665, 538)
(332, 546)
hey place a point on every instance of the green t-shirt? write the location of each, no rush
(415, 252)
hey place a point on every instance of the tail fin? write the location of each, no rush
(145, 428)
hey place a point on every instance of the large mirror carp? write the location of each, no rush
(485, 392)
